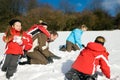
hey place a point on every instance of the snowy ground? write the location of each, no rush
(56, 70)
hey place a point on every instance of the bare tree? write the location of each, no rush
(10, 8)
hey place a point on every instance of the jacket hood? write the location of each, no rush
(96, 46)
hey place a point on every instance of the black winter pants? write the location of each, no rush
(73, 74)
(10, 65)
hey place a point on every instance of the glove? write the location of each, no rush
(24, 55)
(18, 40)
(50, 60)
(83, 45)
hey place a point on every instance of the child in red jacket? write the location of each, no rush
(85, 66)
(16, 41)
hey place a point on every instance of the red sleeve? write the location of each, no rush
(27, 42)
(104, 65)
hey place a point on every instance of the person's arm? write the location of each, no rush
(104, 65)
(27, 41)
(42, 41)
(77, 36)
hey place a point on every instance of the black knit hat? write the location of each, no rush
(13, 21)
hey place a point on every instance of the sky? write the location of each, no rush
(56, 70)
(108, 5)
(80, 4)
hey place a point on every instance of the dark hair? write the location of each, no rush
(13, 21)
(54, 32)
(100, 39)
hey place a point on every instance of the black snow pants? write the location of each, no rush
(75, 75)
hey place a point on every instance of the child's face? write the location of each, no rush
(17, 26)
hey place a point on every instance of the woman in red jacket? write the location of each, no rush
(85, 66)
(16, 41)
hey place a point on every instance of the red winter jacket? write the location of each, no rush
(15, 48)
(90, 57)
(41, 28)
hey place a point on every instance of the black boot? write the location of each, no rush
(62, 48)
(23, 63)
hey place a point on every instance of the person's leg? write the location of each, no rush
(69, 46)
(6, 62)
(12, 66)
(72, 75)
(37, 58)
(91, 77)
(75, 47)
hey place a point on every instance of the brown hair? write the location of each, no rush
(83, 26)
(54, 32)
(100, 39)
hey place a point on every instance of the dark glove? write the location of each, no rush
(83, 45)
(24, 55)
(50, 60)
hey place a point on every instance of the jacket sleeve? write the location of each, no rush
(42, 40)
(104, 65)
(27, 42)
(77, 36)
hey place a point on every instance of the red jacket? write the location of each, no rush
(41, 28)
(90, 57)
(15, 48)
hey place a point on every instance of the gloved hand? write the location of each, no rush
(18, 39)
(24, 55)
(50, 60)
(83, 45)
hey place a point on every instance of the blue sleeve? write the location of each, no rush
(77, 35)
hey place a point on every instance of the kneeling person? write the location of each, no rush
(85, 66)
(40, 53)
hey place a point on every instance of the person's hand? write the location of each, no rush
(83, 45)
(18, 40)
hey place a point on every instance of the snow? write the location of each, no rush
(56, 70)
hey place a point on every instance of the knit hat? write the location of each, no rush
(13, 21)
(100, 40)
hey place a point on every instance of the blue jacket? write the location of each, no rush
(75, 37)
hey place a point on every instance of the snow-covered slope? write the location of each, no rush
(56, 70)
